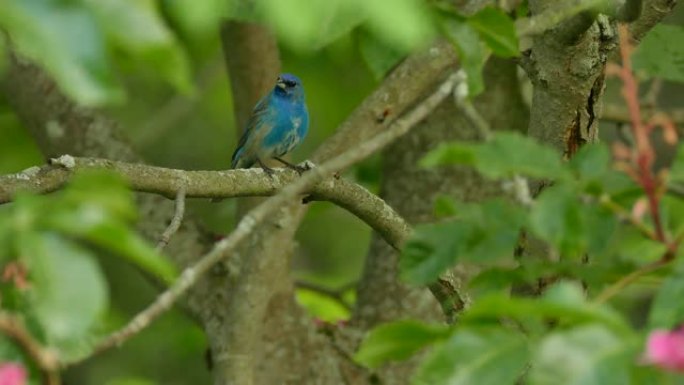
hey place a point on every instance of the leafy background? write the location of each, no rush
(157, 67)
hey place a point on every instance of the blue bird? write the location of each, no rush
(278, 123)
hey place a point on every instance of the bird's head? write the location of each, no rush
(289, 85)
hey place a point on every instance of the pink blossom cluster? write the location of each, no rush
(12, 373)
(665, 349)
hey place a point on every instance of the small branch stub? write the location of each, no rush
(66, 161)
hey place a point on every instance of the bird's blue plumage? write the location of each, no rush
(278, 123)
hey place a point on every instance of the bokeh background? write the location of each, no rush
(197, 131)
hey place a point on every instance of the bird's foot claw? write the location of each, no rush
(268, 171)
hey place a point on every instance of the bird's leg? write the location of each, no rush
(267, 170)
(299, 169)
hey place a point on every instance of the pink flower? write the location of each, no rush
(12, 374)
(665, 349)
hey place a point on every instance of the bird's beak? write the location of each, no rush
(280, 84)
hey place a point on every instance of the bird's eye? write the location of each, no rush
(290, 83)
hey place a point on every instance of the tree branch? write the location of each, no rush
(175, 221)
(403, 88)
(255, 216)
(614, 289)
(652, 12)
(213, 184)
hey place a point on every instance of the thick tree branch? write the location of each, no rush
(403, 88)
(255, 216)
(251, 56)
(60, 127)
(214, 184)
(551, 17)
(652, 13)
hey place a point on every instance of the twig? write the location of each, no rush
(651, 97)
(466, 106)
(175, 221)
(254, 217)
(623, 214)
(644, 155)
(449, 298)
(44, 358)
(620, 114)
(213, 184)
(630, 278)
(336, 294)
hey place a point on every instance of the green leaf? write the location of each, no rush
(106, 191)
(397, 341)
(661, 53)
(631, 245)
(483, 232)
(563, 302)
(4, 56)
(599, 229)
(312, 24)
(591, 164)
(322, 306)
(497, 30)
(667, 309)
(510, 153)
(136, 27)
(496, 226)
(676, 174)
(306, 24)
(404, 24)
(556, 218)
(201, 19)
(450, 153)
(587, 355)
(89, 224)
(673, 214)
(443, 207)
(431, 249)
(475, 356)
(67, 42)
(566, 293)
(96, 207)
(379, 57)
(467, 43)
(506, 155)
(68, 292)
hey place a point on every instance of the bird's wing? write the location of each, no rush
(258, 114)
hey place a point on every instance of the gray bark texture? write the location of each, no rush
(566, 65)
(257, 333)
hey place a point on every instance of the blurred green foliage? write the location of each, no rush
(565, 337)
(661, 53)
(50, 275)
(156, 67)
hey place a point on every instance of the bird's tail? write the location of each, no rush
(235, 160)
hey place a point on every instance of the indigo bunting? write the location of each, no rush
(278, 123)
